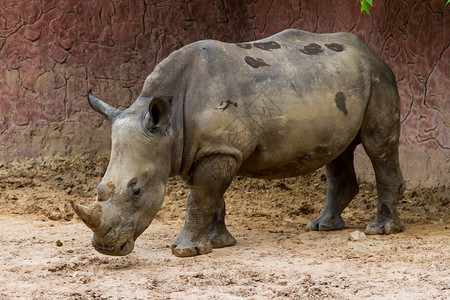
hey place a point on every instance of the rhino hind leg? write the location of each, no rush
(390, 187)
(342, 188)
(204, 220)
(218, 234)
(380, 137)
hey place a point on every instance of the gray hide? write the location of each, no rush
(275, 108)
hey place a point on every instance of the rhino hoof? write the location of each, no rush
(191, 251)
(222, 238)
(204, 249)
(222, 242)
(384, 227)
(183, 252)
(326, 224)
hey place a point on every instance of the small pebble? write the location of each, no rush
(356, 236)
(59, 243)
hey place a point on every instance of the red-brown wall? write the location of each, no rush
(52, 52)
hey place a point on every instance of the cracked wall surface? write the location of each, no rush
(52, 52)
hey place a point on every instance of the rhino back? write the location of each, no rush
(283, 106)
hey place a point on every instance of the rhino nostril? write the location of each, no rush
(122, 248)
(126, 247)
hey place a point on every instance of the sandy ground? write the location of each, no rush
(46, 251)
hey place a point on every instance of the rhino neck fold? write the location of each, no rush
(177, 119)
(172, 77)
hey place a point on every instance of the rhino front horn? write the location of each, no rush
(91, 216)
(107, 111)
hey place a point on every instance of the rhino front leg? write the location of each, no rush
(218, 234)
(342, 188)
(211, 177)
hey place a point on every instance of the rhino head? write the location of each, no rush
(133, 187)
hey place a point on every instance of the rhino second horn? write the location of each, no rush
(91, 216)
(107, 111)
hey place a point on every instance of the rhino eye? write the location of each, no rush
(135, 195)
(135, 191)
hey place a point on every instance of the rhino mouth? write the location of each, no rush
(120, 249)
(121, 245)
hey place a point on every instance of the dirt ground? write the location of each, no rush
(46, 251)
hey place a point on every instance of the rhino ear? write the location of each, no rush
(159, 112)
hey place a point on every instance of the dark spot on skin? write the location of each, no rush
(320, 150)
(226, 104)
(293, 86)
(301, 159)
(335, 47)
(244, 46)
(312, 49)
(267, 46)
(340, 102)
(375, 130)
(255, 62)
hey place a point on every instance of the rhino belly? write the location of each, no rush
(272, 164)
(300, 144)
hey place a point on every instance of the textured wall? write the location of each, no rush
(51, 52)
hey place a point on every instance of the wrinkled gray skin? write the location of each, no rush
(280, 107)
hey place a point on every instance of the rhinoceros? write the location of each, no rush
(278, 107)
